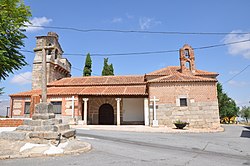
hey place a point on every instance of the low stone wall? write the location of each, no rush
(10, 122)
(198, 115)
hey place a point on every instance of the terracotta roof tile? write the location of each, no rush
(176, 69)
(181, 78)
(99, 80)
(90, 90)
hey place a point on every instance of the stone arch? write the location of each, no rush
(106, 114)
(94, 105)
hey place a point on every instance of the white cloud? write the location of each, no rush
(22, 78)
(242, 49)
(129, 16)
(38, 21)
(238, 83)
(117, 20)
(147, 23)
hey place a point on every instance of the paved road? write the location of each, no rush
(231, 147)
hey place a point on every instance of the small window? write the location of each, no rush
(56, 54)
(27, 108)
(57, 107)
(186, 52)
(183, 102)
(49, 52)
(188, 65)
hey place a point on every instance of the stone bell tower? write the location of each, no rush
(57, 66)
(187, 59)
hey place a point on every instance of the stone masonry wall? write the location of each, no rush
(202, 105)
(52, 74)
(94, 105)
(57, 67)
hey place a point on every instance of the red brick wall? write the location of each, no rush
(168, 92)
(5, 122)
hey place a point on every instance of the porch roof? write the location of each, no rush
(100, 81)
(136, 90)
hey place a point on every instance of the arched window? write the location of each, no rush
(188, 65)
(186, 52)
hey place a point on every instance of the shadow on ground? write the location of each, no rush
(245, 133)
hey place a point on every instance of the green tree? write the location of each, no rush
(245, 112)
(111, 69)
(107, 69)
(14, 16)
(88, 65)
(227, 106)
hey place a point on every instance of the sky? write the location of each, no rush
(224, 16)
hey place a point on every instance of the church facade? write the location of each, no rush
(157, 98)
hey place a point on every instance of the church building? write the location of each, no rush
(158, 98)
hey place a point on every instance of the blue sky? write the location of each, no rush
(161, 15)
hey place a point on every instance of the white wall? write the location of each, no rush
(133, 109)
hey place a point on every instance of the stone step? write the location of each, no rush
(55, 128)
(62, 127)
(42, 122)
(43, 116)
(13, 135)
(69, 133)
(25, 128)
(45, 135)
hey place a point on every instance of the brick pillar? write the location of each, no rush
(35, 99)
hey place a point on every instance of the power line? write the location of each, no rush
(236, 74)
(138, 31)
(150, 52)
(20, 74)
(124, 54)
(82, 70)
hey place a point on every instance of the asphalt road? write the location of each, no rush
(231, 147)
